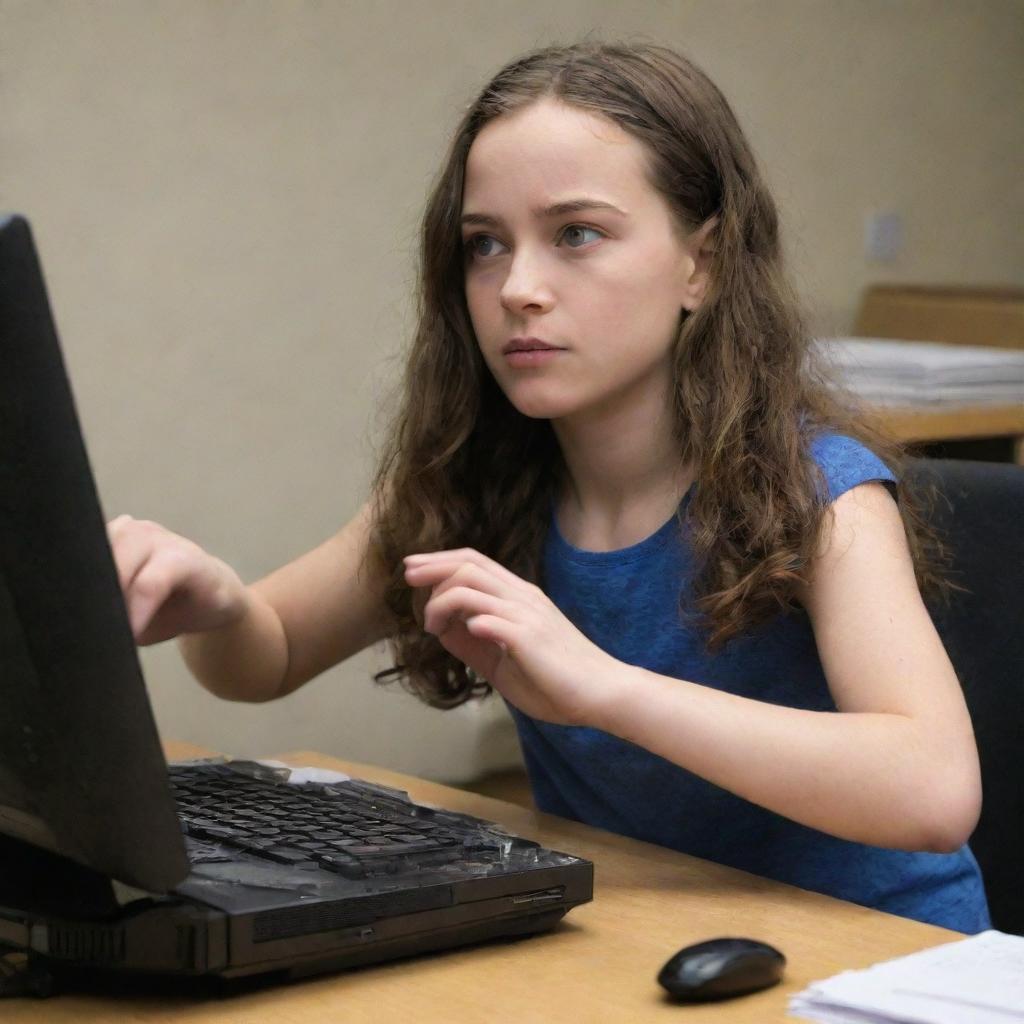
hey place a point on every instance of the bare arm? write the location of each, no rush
(329, 602)
(300, 620)
(898, 766)
(258, 642)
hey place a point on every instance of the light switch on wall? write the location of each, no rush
(883, 236)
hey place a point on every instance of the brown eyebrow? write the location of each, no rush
(555, 210)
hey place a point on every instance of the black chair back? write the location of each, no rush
(981, 515)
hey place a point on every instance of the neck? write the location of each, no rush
(625, 478)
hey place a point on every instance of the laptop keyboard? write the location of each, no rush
(354, 829)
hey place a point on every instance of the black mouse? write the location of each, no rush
(721, 969)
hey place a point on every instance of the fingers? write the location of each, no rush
(468, 587)
(131, 542)
(493, 628)
(445, 569)
(460, 604)
(443, 576)
(437, 562)
(150, 589)
(151, 563)
(170, 584)
(117, 522)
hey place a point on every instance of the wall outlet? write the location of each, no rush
(883, 236)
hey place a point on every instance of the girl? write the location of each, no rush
(617, 494)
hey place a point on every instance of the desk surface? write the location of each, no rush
(598, 965)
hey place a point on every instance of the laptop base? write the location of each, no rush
(41, 977)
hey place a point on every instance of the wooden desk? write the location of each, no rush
(597, 967)
(949, 423)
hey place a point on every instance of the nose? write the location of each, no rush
(525, 287)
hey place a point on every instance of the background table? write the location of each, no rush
(599, 964)
(955, 423)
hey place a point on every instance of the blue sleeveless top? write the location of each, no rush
(626, 602)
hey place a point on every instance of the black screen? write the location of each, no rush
(81, 770)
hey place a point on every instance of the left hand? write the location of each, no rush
(509, 632)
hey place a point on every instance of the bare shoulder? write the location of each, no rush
(877, 643)
(330, 600)
(862, 546)
(862, 530)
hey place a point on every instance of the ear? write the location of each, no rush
(700, 247)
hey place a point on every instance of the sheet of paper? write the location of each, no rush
(978, 980)
(884, 371)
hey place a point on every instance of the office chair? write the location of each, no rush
(979, 513)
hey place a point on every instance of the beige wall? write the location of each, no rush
(226, 196)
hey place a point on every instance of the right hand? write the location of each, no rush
(171, 585)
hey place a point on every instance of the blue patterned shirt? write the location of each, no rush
(627, 602)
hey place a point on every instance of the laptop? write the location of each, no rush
(113, 861)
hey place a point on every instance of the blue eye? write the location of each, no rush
(577, 228)
(472, 248)
(473, 245)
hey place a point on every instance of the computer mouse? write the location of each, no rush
(721, 969)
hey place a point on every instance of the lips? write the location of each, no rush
(527, 345)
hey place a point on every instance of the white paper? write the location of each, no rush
(914, 373)
(979, 980)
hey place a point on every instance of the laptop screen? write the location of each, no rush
(81, 770)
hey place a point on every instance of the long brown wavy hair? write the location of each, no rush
(461, 467)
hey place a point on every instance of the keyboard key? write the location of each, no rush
(347, 867)
(351, 832)
(287, 856)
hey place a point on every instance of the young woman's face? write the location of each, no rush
(603, 287)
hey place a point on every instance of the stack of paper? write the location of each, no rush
(979, 980)
(882, 371)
